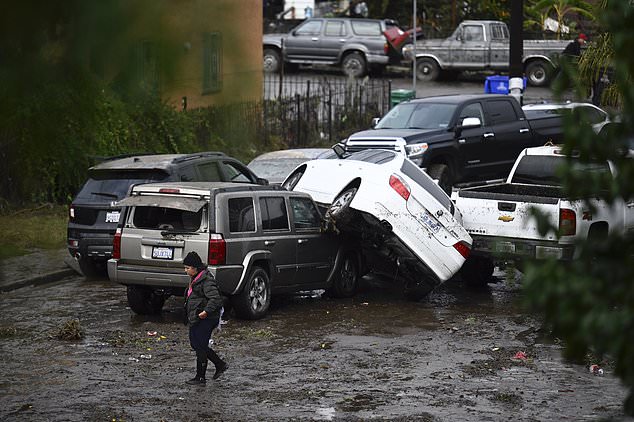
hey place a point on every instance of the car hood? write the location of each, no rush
(410, 135)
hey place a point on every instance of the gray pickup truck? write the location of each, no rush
(483, 45)
(355, 45)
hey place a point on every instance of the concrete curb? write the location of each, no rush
(40, 279)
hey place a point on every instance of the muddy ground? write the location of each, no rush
(377, 356)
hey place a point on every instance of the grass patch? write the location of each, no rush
(42, 227)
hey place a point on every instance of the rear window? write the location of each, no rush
(366, 28)
(108, 186)
(543, 170)
(416, 174)
(160, 218)
(372, 156)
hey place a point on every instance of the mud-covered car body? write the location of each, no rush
(395, 207)
(256, 240)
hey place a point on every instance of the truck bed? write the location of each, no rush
(515, 192)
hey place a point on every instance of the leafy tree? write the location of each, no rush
(589, 303)
(561, 10)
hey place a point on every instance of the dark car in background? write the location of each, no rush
(93, 217)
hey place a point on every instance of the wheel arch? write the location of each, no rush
(258, 258)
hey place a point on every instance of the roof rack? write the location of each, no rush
(103, 158)
(199, 155)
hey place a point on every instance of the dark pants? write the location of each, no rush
(199, 335)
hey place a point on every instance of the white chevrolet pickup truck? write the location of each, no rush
(498, 216)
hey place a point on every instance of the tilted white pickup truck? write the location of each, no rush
(498, 216)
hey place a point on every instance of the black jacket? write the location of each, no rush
(573, 49)
(205, 296)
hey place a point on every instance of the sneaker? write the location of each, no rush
(219, 370)
(197, 381)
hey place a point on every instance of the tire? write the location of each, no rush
(427, 70)
(143, 301)
(477, 271)
(346, 278)
(91, 269)
(442, 174)
(272, 60)
(255, 298)
(291, 181)
(354, 65)
(538, 73)
(339, 210)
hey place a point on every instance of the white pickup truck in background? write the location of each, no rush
(498, 216)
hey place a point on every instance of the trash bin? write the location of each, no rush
(400, 95)
(498, 84)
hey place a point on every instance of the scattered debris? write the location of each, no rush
(8, 332)
(71, 330)
(133, 359)
(146, 356)
(520, 356)
(152, 333)
(596, 369)
(495, 349)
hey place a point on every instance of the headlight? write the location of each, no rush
(416, 150)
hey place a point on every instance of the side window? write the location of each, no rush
(472, 110)
(499, 32)
(310, 28)
(187, 174)
(212, 62)
(473, 33)
(366, 28)
(335, 29)
(209, 172)
(591, 115)
(241, 216)
(234, 173)
(501, 111)
(305, 213)
(274, 215)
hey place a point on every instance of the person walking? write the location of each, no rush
(573, 49)
(203, 305)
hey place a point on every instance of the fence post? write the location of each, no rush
(299, 119)
(329, 114)
(307, 108)
(386, 103)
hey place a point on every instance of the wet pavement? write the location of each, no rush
(453, 356)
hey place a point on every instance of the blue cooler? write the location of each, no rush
(498, 84)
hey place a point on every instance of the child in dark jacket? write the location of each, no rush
(202, 309)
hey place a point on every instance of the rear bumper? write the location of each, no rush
(97, 246)
(228, 276)
(513, 248)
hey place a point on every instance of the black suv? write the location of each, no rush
(93, 217)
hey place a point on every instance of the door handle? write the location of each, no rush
(314, 39)
(523, 130)
(489, 135)
(301, 241)
(269, 242)
(462, 141)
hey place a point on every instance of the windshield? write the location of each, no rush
(112, 186)
(275, 171)
(418, 116)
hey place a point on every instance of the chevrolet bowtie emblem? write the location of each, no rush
(506, 218)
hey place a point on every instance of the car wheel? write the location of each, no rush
(442, 174)
(353, 65)
(538, 73)
(254, 300)
(272, 60)
(346, 278)
(427, 70)
(477, 271)
(91, 269)
(292, 180)
(144, 301)
(339, 210)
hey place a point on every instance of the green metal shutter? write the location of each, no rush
(212, 62)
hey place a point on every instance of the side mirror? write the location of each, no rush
(471, 122)
(375, 121)
(262, 181)
(339, 150)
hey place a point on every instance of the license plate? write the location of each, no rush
(506, 247)
(112, 216)
(162, 253)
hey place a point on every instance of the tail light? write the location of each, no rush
(386, 48)
(116, 245)
(464, 248)
(217, 253)
(567, 222)
(400, 186)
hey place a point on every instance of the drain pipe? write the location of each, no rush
(516, 51)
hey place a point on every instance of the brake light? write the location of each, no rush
(567, 222)
(464, 248)
(386, 48)
(217, 253)
(400, 186)
(116, 245)
(169, 190)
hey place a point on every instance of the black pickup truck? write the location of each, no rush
(459, 138)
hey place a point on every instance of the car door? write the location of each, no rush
(304, 43)
(335, 35)
(469, 48)
(277, 239)
(499, 46)
(471, 139)
(315, 250)
(506, 136)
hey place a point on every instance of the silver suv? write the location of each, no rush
(356, 45)
(257, 241)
